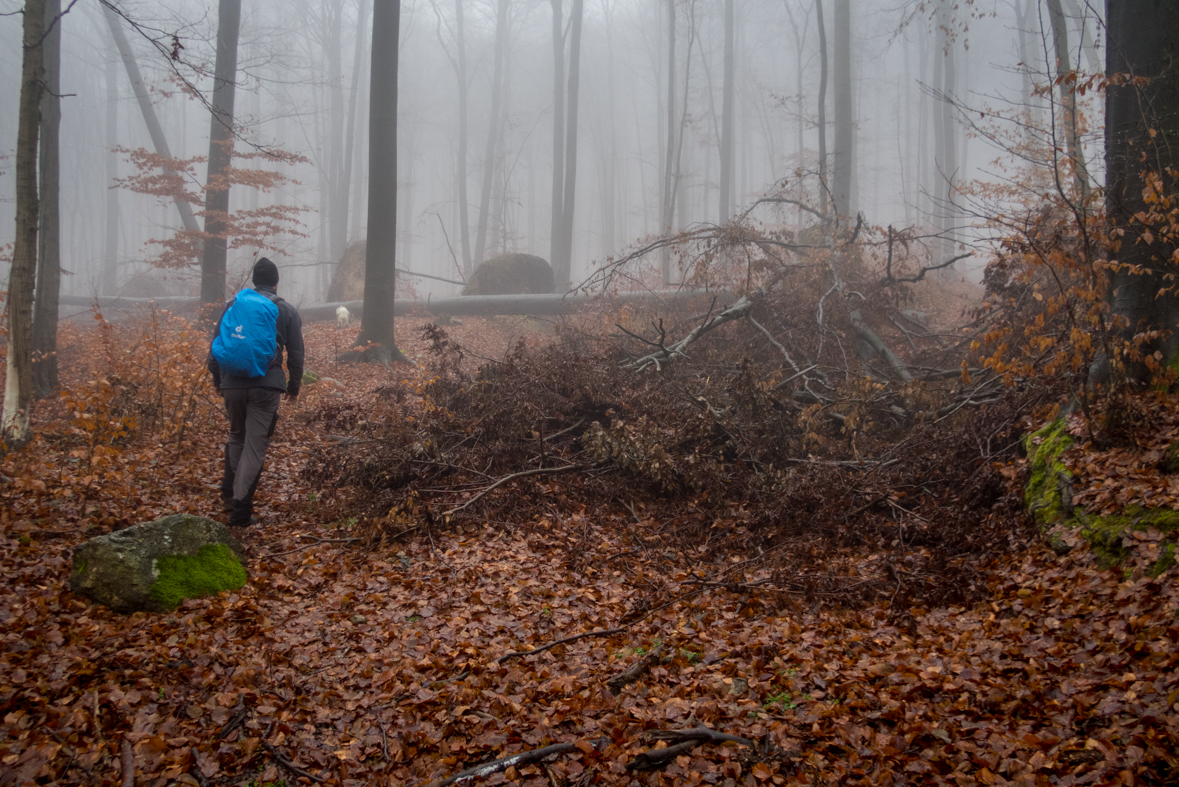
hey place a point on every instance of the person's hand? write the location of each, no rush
(217, 389)
(291, 397)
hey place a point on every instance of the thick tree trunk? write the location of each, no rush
(18, 386)
(493, 129)
(1143, 38)
(841, 181)
(381, 248)
(563, 265)
(823, 187)
(726, 135)
(213, 261)
(154, 129)
(48, 285)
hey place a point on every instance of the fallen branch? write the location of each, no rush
(502, 764)
(574, 638)
(290, 766)
(128, 758)
(512, 477)
(683, 742)
(239, 716)
(634, 671)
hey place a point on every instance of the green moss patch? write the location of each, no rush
(1044, 496)
(1048, 494)
(310, 377)
(212, 569)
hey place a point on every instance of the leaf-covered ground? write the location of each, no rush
(346, 665)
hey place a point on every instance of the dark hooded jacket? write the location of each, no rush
(289, 329)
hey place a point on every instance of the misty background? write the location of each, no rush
(302, 86)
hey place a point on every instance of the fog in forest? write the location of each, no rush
(302, 87)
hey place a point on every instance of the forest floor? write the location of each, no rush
(408, 663)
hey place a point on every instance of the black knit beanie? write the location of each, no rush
(265, 273)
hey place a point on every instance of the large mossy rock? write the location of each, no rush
(154, 566)
(511, 274)
(1048, 497)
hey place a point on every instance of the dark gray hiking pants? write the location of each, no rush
(253, 414)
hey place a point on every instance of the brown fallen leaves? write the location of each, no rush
(352, 667)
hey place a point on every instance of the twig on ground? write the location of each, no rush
(73, 754)
(512, 477)
(128, 759)
(634, 671)
(502, 764)
(290, 766)
(574, 638)
(683, 742)
(239, 716)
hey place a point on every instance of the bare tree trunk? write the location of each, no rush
(148, 109)
(350, 133)
(1068, 100)
(726, 135)
(463, 199)
(337, 189)
(949, 148)
(563, 265)
(110, 245)
(822, 110)
(493, 129)
(381, 248)
(48, 284)
(217, 184)
(667, 203)
(844, 131)
(18, 386)
(558, 196)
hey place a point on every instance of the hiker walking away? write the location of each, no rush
(245, 359)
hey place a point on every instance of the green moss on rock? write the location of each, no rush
(212, 569)
(1045, 494)
(310, 377)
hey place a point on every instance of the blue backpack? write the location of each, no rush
(246, 341)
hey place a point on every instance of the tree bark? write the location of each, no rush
(493, 130)
(337, 189)
(48, 279)
(842, 164)
(154, 129)
(18, 386)
(381, 247)
(215, 250)
(1143, 36)
(726, 140)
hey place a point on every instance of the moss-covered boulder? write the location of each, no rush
(154, 566)
(1048, 494)
(511, 274)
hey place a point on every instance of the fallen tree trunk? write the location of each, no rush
(466, 306)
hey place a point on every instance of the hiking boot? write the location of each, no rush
(241, 513)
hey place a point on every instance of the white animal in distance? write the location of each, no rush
(343, 316)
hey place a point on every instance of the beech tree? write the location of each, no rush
(18, 385)
(48, 284)
(1141, 120)
(376, 330)
(221, 132)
